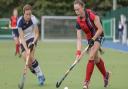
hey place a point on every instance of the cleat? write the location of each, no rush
(106, 80)
(86, 85)
(41, 80)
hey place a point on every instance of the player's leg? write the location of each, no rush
(33, 63)
(24, 56)
(90, 65)
(13, 35)
(17, 43)
(37, 69)
(101, 65)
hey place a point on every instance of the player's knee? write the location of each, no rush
(93, 53)
(32, 55)
(97, 60)
(30, 62)
(91, 57)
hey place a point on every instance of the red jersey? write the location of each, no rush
(13, 21)
(83, 24)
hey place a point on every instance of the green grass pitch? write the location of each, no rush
(55, 58)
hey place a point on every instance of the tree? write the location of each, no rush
(55, 7)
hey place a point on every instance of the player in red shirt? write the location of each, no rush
(15, 33)
(89, 23)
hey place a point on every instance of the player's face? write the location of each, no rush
(78, 9)
(27, 15)
(15, 13)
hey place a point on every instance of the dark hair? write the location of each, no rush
(27, 7)
(80, 2)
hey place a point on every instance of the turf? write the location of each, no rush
(55, 58)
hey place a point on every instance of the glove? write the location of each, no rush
(31, 45)
(78, 53)
(91, 42)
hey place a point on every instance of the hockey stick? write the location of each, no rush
(21, 84)
(71, 67)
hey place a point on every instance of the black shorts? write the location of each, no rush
(27, 42)
(15, 33)
(99, 39)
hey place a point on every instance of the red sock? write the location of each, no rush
(89, 69)
(101, 67)
(17, 48)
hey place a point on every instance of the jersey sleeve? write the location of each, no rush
(78, 26)
(19, 23)
(34, 20)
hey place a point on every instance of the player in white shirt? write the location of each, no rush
(29, 34)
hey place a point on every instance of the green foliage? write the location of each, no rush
(54, 7)
(40, 7)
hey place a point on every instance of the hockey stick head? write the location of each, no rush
(71, 67)
(21, 85)
(67, 72)
(58, 84)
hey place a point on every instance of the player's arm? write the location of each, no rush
(21, 34)
(36, 36)
(99, 27)
(36, 32)
(79, 40)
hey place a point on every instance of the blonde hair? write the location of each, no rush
(80, 2)
(27, 7)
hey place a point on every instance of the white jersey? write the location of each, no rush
(28, 28)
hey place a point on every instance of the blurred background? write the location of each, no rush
(57, 18)
(57, 46)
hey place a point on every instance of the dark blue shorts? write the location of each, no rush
(27, 42)
(99, 39)
(15, 33)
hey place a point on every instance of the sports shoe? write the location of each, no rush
(106, 80)
(41, 80)
(86, 85)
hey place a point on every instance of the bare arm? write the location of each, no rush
(79, 40)
(21, 34)
(99, 26)
(36, 32)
